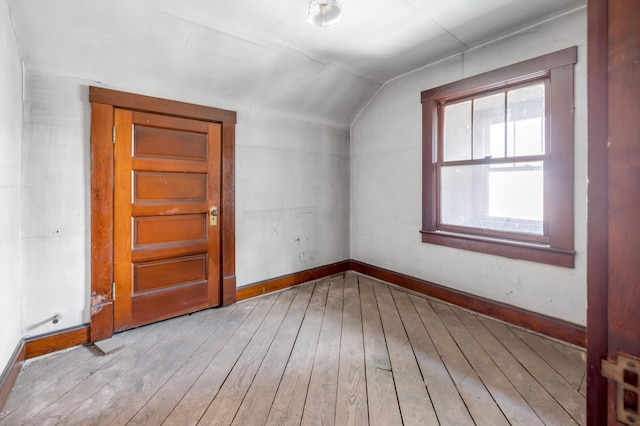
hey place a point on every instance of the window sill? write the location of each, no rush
(511, 249)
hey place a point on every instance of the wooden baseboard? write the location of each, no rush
(10, 373)
(290, 280)
(552, 327)
(57, 340)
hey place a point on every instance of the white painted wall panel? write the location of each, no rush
(56, 203)
(10, 193)
(386, 182)
(292, 196)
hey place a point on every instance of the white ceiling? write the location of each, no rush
(257, 54)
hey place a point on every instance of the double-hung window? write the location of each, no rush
(498, 161)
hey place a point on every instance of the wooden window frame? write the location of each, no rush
(557, 67)
(103, 104)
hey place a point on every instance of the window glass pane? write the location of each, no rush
(500, 197)
(457, 131)
(526, 120)
(488, 126)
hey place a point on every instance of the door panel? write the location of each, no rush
(169, 229)
(154, 275)
(169, 186)
(166, 255)
(160, 305)
(164, 143)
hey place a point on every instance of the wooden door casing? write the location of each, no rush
(166, 259)
(613, 271)
(104, 103)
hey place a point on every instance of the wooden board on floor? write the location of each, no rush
(259, 398)
(446, 400)
(415, 406)
(509, 400)
(547, 408)
(223, 408)
(320, 405)
(158, 408)
(288, 403)
(477, 398)
(556, 385)
(196, 400)
(351, 401)
(381, 393)
(557, 360)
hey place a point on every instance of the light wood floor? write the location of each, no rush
(344, 350)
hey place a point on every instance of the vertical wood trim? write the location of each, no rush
(122, 273)
(101, 221)
(562, 146)
(228, 214)
(214, 195)
(597, 225)
(10, 373)
(429, 183)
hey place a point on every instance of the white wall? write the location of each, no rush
(386, 178)
(292, 197)
(10, 193)
(56, 210)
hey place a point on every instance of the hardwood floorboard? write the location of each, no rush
(557, 360)
(76, 365)
(583, 386)
(547, 408)
(320, 404)
(415, 406)
(119, 363)
(570, 399)
(577, 355)
(45, 366)
(158, 408)
(258, 400)
(477, 398)
(288, 404)
(223, 408)
(514, 407)
(343, 350)
(384, 408)
(131, 399)
(351, 401)
(124, 389)
(40, 388)
(197, 399)
(448, 403)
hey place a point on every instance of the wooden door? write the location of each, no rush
(166, 239)
(614, 211)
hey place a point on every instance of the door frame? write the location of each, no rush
(103, 103)
(597, 209)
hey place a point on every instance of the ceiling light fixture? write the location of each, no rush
(324, 13)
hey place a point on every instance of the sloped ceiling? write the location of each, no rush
(258, 54)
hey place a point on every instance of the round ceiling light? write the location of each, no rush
(324, 13)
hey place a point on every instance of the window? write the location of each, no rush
(498, 161)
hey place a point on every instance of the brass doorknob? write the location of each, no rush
(213, 216)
